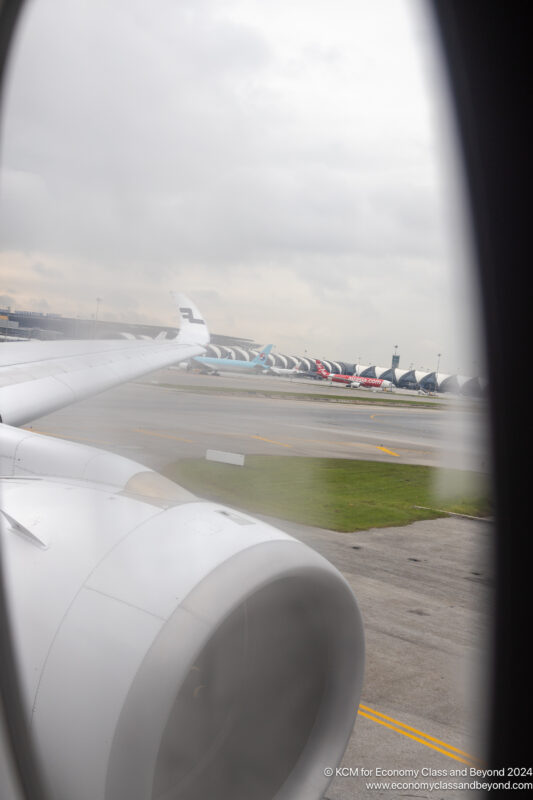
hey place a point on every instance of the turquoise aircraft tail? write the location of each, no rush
(261, 357)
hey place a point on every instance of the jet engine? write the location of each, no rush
(173, 648)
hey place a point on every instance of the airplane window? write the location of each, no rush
(199, 483)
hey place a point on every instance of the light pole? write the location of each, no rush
(437, 373)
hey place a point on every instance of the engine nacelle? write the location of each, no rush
(175, 650)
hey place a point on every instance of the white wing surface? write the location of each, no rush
(160, 639)
(37, 378)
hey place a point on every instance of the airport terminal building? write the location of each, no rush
(23, 325)
(401, 378)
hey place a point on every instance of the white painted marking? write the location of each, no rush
(225, 458)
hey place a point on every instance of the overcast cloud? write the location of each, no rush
(286, 164)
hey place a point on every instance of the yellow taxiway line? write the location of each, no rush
(386, 450)
(423, 738)
(271, 441)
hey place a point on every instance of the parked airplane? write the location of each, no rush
(257, 364)
(352, 381)
(283, 370)
(156, 639)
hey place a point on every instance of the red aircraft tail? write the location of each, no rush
(321, 369)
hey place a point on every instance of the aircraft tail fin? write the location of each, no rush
(261, 357)
(193, 328)
(321, 368)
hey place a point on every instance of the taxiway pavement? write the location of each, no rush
(166, 407)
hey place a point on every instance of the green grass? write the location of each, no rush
(370, 399)
(338, 494)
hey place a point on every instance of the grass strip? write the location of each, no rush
(324, 398)
(337, 494)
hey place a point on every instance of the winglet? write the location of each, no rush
(193, 329)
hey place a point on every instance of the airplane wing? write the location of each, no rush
(160, 639)
(37, 378)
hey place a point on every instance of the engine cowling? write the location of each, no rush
(176, 651)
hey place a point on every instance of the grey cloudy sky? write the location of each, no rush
(287, 164)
